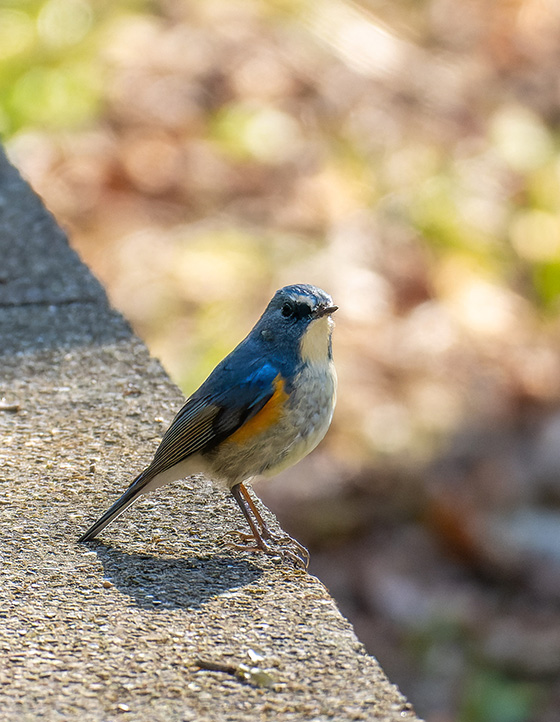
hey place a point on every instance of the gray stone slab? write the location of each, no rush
(159, 620)
(25, 328)
(36, 264)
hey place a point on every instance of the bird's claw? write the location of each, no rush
(279, 547)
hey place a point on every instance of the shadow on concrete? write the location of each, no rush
(171, 583)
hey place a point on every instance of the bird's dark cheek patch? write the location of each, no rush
(267, 416)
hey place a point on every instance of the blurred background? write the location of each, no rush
(405, 156)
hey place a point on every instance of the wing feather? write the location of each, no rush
(208, 418)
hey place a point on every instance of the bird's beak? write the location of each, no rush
(326, 310)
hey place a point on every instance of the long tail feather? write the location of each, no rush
(134, 491)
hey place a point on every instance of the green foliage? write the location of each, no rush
(493, 696)
(51, 75)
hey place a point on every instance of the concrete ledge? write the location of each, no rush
(157, 621)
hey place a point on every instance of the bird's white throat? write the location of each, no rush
(315, 343)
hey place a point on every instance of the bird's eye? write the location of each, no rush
(297, 311)
(287, 310)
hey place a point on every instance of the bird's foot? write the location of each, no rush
(282, 547)
(289, 544)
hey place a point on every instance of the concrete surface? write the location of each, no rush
(158, 620)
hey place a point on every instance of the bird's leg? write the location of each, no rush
(300, 557)
(267, 534)
(236, 491)
(265, 531)
(285, 540)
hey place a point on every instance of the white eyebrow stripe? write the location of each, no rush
(303, 299)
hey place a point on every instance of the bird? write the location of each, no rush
(264, 407)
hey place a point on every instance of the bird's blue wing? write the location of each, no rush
(217, 410)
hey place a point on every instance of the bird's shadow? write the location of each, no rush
(172, 582)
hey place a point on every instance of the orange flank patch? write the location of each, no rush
(268, 415)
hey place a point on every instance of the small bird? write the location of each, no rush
(263, 408)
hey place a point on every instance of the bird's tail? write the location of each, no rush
(134, 491)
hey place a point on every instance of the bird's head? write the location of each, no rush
(301, 315)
